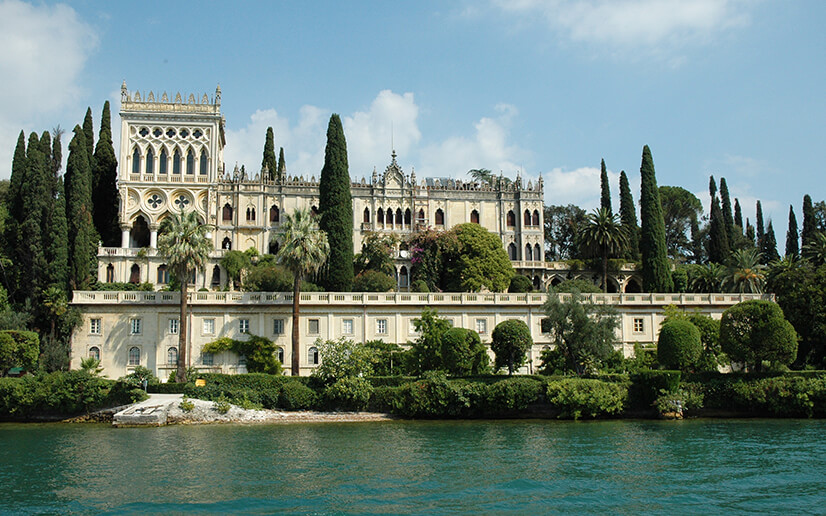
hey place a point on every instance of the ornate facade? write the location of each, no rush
(171, 158)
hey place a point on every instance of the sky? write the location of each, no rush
(733, 88)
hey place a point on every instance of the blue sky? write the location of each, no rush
(730, 88)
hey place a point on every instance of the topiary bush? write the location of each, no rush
(520, 284)
(679, 345)
(511, 395)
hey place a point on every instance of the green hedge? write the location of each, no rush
(790, 395)
(166, 388)
(646, 386)
(62, 394)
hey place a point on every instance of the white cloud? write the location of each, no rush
(390, 119)
(44, 51)
(622, 25)
(581, 186)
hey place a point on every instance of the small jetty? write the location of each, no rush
(153, 411)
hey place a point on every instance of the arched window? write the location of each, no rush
(474, 217)
(226, 244)
(204, 160)
(135, 276)
(248, 215)
(399, 216)
(527, 218)
(273, 248)
(110, 273)
(511, 220)
(150, 161)
(190, 162)
(512, 251)
(163, 275)
(314, 211)
(172, 356)
(162, 162)
(535, 218)
(136, 161)
(139, 234)
(226, 213)
(389, 216)
(537, 283)
(528, 253)
(407, 216)
(94, 352)
(404, 278)
(421, 216)
(312, 355)
(380, 216)
(134, 356)
(216, 276)
(280, 353)
(275, 215)
(440, 217)
(366, 217)
(537, 253)
(176, 162)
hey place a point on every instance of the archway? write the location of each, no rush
(139, 235)
(632, 286)
(135, 274)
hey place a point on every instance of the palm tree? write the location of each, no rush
(603, 235)
(304, 250)
(747, 274)
(184, 244)
(54, 300)
(708, 278)
(815, 251)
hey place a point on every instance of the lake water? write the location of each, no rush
(418, 467)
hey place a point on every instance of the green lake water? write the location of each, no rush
(418, 467)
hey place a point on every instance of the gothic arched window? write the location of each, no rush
(389, 216)
(535, 218)
(421, 216)
(190, 163)
(176, 162)
(512, 251)
(163, 275)
(537, 253)
(380, 216)
(511, 221)
(528, 253)
(527, 218)
(162, 162)
(136, 161)
(150, 161)
(226, 244)
(226, 213)
(439, 218)
(274, 214)
(407, 216)
(203, 168)
(398, 216)
(366, 217)
(474, 217)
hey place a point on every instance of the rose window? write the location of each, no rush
(154, 201)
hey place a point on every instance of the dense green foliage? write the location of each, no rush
(656, 274)
(82, 235)
(679, 345)
(605, 189)
(520, 284)
(342, 358)
(562, 227)
(336, 209)
(628, 217)
(18, 349)
(718, 244)
(376, 253)
(259, 352)
(463, 353)
(603, 236)
(752, 332)
(511, 341)
(426, 350)
(234, 262)
(801, 293)
(679, 207)
(268, 163)
(792, 236)
(373, 281)
(807, 235)
(104, 183)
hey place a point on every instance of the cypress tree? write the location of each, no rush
(738, 214)
(268, 162)
(57, 249)
(726, 207)
(336, 208)
(89, 133)
(807, 237)
(697, 248)
(282, 165)
(759, 222)
(605, 189)
(792, 236)
(104, 184)
(628, 217)
(712, 187)
(57, 150)
(768, 252)
(656, 270)
(31, 258)
(18, 176)
(79, 214)
(718, 244)
(750, 232)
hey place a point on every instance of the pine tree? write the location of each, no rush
(79, 214)
(792, 236)
(268, 162)
(758, 219)
(768, 252)
(718, 244)
(725, 201)
(282, 165)
(656, 270)
(89, 133)
(738, 215)
(807, 237)
(104, 184)
(336, 208)
(605, 189)
(628, 217)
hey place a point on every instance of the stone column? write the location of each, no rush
(124, 235)
(153, 236)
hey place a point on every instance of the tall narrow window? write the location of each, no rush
(274, 214)
(226, 244)
(537, 253)
(176, 162)
(94, 352)
(474, 217)
(173, 327)
(399, 216)
(440, 217)
(511, 221)
(528, 252)
(136, 161)
(512, 251)
(226, 213)
(535, 218)
(204, 160)
(389, 216)
(110, 273)
(150, 161)
(312, 355)
(190, 162)
(216, 276)
(366, 217)
(172, 356)
(421, 216)
(162, 162)
(527, 218)
(134, 356)
(407, 217)
(163, 275)
(380, 216)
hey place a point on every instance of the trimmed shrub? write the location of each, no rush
(463, 353)
(432, 397)
(511, 395)
(646, 386)
(297, 396)
(679, 345)
(373, 281)
(348, 394)
(520, 284)
(419, 286)
(167, 388)
(577, 398)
